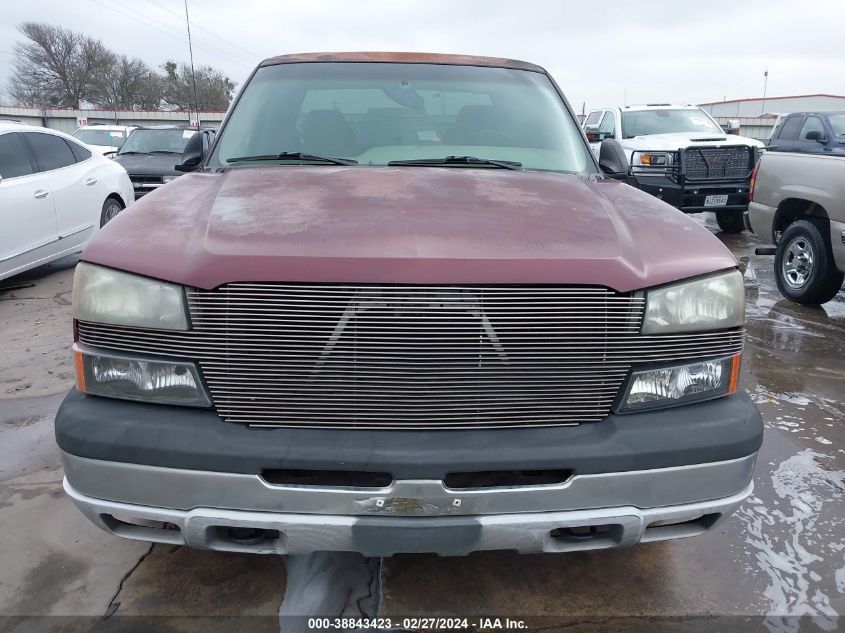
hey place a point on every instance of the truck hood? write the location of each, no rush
(150, 164)
(676, 140)
(416, 225)
(102, 149)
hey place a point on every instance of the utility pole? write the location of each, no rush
(765, 85)
(193, 75)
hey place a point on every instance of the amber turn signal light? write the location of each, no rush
(736, 364)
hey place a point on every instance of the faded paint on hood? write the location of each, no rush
(422, 225)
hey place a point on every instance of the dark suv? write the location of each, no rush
(151, 153)
(810, 133)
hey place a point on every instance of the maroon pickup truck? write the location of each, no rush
(400, 307)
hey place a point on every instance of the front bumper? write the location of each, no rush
(382, 529)
(180, 475)
(689, 197)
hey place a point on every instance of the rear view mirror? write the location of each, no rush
(195, 151)
(612, 159)
(815, 135)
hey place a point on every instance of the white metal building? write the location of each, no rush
(758, 116)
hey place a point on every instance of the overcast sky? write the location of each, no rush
(600, 52)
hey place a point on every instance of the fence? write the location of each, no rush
(68, 120)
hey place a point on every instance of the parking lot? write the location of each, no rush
(781, 556)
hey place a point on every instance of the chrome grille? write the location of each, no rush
(712, 163)
(413, 356)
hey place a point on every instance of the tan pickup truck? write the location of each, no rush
(798, 202)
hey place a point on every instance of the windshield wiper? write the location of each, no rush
(295, 156)
(458, 160)
(131, 152)
(164, 151)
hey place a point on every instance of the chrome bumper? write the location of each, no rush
(234, 512)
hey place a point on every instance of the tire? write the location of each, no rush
(111, 207)
(730, 221)
(804, 268)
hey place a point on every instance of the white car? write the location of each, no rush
(681, 155)
(106, 139)
(55, 194)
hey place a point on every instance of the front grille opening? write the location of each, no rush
(244, 538)
(505, 479)
(143, 529)
(327, 478)
(681, 527)
(607, 534)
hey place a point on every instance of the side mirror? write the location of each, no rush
(195, 151)
(815, 135)
(612, 159)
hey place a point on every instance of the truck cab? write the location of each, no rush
(679, 154)
(810, 133)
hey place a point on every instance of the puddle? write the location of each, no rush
(794, 539)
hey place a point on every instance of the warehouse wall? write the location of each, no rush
(742, 108)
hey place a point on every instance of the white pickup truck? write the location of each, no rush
(679, 154)
(798, 203)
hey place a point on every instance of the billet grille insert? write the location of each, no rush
(413, 356)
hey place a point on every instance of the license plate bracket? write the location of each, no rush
(716, 200)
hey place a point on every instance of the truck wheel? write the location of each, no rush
(804, 267)
(730, 221)
(111, 207)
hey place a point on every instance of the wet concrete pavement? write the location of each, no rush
(781, 555)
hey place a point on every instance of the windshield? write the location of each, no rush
(109, 138)
(645, 122)
(157, 141)
(837, 122)
(375, 113)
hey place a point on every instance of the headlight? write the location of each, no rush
(652, 159)
(167, 179)
(138, 378)
(681, 384)
(103, 295)
(710, 303)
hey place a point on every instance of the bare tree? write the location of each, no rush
(60, 68)
(55, 66)
(214, 89)
(127, 84)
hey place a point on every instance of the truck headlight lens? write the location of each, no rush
(103, 295)
(710, 303)
(652, 159)
(681, 384)
(136, 378)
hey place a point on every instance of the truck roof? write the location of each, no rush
(659, 106)
(403, 58)
(650, 106)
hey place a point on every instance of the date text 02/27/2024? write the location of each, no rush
(416, 623)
